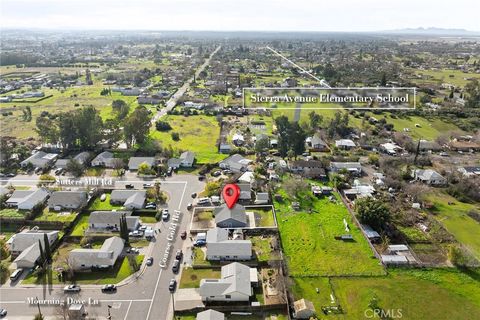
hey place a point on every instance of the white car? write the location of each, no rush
(165, 214)
(71, 288)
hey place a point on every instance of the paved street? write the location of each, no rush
(144, 298)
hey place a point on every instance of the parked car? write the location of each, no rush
(194, 195)
(148, 185)
(217, 173)
(165, 215)
(179, 255)
(151, 206)
(11, 175)
(109, 288)
(71, 288)
(169, 171)
(135, 233)
(16, 274)
(149, 261)
(129, 186)
(172, 285)
(103, 197)
(3, 312)
(189, 206)
(183, 235)
(200, 243)
(201, 178)
(176, 266)
(227, 171)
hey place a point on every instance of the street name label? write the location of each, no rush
(172, 232)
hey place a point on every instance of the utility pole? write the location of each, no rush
(39, 311)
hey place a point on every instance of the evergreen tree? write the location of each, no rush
(48, 252)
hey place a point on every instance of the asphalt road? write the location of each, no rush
(172, 102)
(147, 297)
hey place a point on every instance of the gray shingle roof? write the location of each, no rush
(134, 162)
(73, 199)
(237, 213)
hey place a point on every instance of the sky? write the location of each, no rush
(240, 15)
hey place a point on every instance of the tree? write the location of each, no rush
(290, 136)
(38, 316)
(47, 129)
(383, 81)
(372, 212)
(124, 229)
(75, 167)
(175, 136)
(89, 127)
(472, 90)
(262, 144)
(118, 164)
(163, 125)
(315, 120)
(144, 169)
(47, 251)
(136, 126)
(120, 108)
(461, 257)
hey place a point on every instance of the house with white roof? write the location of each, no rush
(130, 199)
(210, 315)
(104, 257)
(235, 284)
(429, 176)
(40, 159)
(27, 199)
(101, 221)
(23, 240)
(345, 144)
(221, 247)
(237, 163)
(104, 159)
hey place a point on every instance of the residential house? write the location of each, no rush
(354, 168)
(225, 148)
(104, 159)
(246, 177)
(72, 200)
(104, 257)
(210, 315)
(390, 148)
(40, 159)
(237, 163)
(262, 198)
(425, 145)
(135, 162)
(27, 199)
(146, 99)
(464, 146)
(345, 144)
(220, 247)
(359, 190)
(303, 309)
(230, 218)
(22, 240)
(235, 284)
(186, 160)
(308, 169)
(470, 171)
(110, 220)
(245, 192)
(238, 139)
(371, 234)
(429, 176)
(81, 158)
(289, 83)
(317, 144)
(130, 199)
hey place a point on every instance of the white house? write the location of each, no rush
(235, 284)
(220, 247)
(22, 240)
(429, 176)
(100, 221)
(27, 199)
(105, 257)
(130, 199)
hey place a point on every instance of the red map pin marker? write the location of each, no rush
(230, 193)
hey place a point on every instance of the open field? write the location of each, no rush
(309, 243)
(456, 77)
(197, 133)
(420, 294)
(455, 219)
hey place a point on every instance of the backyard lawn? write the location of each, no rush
(197, 133)
(48, 215)
(98, 204)
(191, 277)
(11, 213)
(309, 244)
(420, 294)
(455, 219)
(80, 226)
(263, 218)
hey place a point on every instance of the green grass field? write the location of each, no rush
(445, 76)
(309, 243)
(455, 219)
(420, 294)
(11, 213)
(191, 277)
(197, 133)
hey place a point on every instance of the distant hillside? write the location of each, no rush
(434, 31)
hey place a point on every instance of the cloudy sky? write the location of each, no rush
(265, 15)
